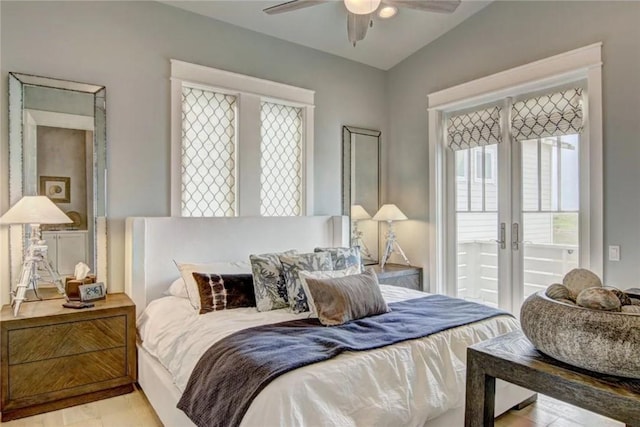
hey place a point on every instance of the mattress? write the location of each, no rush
(402, 384)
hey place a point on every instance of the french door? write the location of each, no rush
(516, 218)
(515, 206)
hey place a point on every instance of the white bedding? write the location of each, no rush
(403, 384)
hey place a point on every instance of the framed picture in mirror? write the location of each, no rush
(57, 188)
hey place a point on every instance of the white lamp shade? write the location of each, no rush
(35, 210)
(362, 7)
(389, 212)
(358, 213)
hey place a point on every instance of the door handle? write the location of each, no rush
(515, 236)
(503, 236)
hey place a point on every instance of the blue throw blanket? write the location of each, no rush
(234, 370)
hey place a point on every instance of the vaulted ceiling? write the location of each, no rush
(324, 27)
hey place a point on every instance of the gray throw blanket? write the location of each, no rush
(235, 369)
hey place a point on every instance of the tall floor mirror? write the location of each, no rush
(361, 188)
(57, 148)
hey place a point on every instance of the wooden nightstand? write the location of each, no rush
(405, 276)
(54, 357)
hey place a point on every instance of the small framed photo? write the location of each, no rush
(57, 188)
(92, 291)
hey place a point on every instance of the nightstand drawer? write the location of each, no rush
(66, 339)
(73, 371)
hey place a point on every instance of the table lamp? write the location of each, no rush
(34, 210)
(358, 213)
(390, 213)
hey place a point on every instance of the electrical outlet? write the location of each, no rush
(614, 253)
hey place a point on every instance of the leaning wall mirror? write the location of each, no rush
(361, 188)
(57, 148)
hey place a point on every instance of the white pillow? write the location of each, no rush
(191, 288)
(349, 271)
(177, 289)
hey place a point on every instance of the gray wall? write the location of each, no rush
(502, 36)
(126, 46)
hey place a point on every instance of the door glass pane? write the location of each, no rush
(491, 178)
(550, 240)
(475, 157)
(548, 174)
(462, 178)
(570, 184)
(530, 174)
(478, 256)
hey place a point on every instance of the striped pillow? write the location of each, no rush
(224, 291)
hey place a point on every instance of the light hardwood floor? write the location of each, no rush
(133, 409)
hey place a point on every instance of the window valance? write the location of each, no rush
(554, 114)
(474, 129)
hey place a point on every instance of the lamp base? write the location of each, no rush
(392, 246)
(357, 240)
(35, 259)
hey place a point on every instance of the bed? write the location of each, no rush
(417, 382)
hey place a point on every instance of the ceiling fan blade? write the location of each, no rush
(440, 6)
(292, 5)
(357, 26)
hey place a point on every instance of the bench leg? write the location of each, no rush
(480, 396)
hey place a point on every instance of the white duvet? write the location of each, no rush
(402, 384)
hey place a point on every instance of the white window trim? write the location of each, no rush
(250, 92)
(579, 64)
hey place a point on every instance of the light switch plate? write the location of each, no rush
(614, 253)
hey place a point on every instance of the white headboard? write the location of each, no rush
(153, 243)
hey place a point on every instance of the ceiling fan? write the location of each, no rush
(360, 12)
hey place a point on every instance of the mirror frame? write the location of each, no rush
(20, 162)
(347, 133)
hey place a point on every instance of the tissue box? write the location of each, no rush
(71, 286)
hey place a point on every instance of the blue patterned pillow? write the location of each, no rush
(344, 257)
(292, 265)
(268, 281)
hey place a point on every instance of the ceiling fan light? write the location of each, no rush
(362, 7)
(387, 12)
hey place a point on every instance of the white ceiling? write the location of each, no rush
(324, 27)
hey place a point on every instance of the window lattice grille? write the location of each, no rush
(281, 160)
(208, 153)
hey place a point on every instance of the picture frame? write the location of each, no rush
(92, 292)
(56, 188)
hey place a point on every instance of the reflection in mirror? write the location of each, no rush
(57, 148)
(361, 188)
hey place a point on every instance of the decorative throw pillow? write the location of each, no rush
(177, 289)
(268, 281)
(292, 265)
(344, 257)
(187, 270)
(304, 275)
(224, 291)
(347, 298)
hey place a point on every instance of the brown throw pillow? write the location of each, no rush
(224, 291)
(347, 298)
